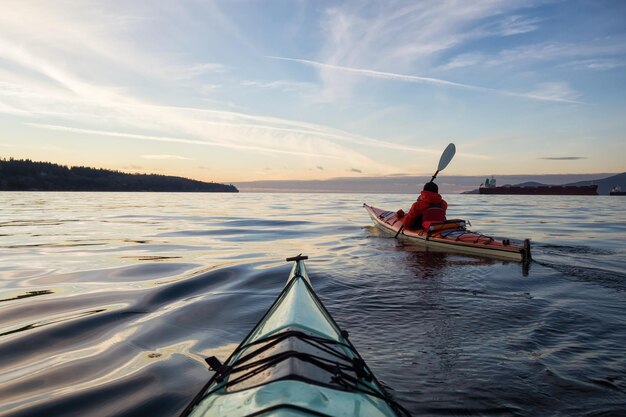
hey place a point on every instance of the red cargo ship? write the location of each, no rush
(489, 187)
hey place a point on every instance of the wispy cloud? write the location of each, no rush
(118, 70)
(8, 109)
(198, 70)
(285, 85)
(555, 91)
(400, 36)
(80, 102)
(378, 33)
(165, 157)
(517, 24)
(591, 54)
(133, 168)
(225, 129)
(564, 158)
(358, 171)
(394, 38)
(464, 60)
(597, 64)
(209, 88)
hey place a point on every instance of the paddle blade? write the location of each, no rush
(446, 157)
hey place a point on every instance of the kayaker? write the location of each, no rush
(430, 207)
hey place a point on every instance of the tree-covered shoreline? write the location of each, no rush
(27, 175)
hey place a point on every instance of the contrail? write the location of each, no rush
(424, 80)
(175, 140)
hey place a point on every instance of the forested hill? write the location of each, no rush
(26, 175)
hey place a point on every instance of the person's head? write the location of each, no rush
(431, 186)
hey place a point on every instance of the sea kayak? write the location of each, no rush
(451, 235)
(295, 362)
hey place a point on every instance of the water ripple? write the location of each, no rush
(109, 303)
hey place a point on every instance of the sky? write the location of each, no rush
(257, 90)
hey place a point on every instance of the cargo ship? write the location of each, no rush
(489, 187)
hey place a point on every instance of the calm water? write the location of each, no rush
(110, 301)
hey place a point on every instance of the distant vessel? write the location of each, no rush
(617, 191)
(489, 187)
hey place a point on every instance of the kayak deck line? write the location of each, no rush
(342, 367)
(295, 358)
(452, 238)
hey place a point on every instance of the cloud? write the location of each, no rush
(598, 64)
(358, 171)
(284, 85)
(585, 54)
(517, 24)
(555, 91)
(8, 109)
(96, 39)
(89, 103)
(209, 88)
(114, 71)
(464, 60)
(375, 32)
(564, 158)
(165, 157)
(393, 38)
(402, 36)
(197, 70)
(321, 168)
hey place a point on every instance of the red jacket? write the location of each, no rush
(414, 219)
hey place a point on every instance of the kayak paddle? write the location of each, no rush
(445, 159)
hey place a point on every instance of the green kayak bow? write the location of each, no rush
(295, 362)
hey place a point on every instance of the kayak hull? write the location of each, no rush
(455, 239)
(295, 361)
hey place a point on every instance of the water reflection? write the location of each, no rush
(27, 295)
(434, 258)
(431, 262)
(48, 322)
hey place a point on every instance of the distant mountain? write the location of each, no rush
(401, 183)
(26, 175)
(604, 184)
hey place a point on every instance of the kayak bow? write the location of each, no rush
(452, 236)
(297, 362)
